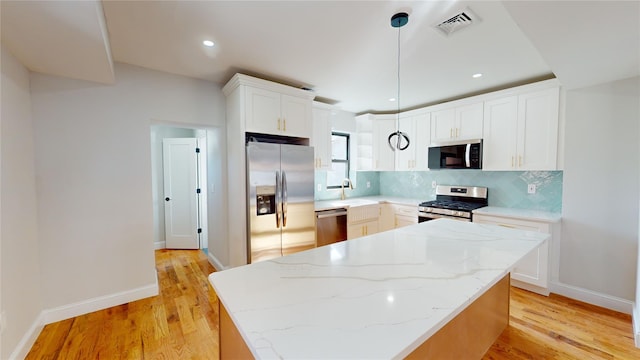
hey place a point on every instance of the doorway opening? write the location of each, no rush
(179, 187)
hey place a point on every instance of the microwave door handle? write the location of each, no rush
(467, 156)
(277, 199)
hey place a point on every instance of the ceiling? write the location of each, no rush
(346, 52)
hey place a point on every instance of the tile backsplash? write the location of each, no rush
(506, 188)
(360, 188)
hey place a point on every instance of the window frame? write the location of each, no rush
(347, 161)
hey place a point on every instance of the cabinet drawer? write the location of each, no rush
(406, 210)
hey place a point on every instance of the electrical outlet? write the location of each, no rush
(368, 184)
(531, 188)
(434, 184)
(319, 187)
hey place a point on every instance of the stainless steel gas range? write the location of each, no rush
(453, 202)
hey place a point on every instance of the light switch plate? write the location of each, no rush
(531, 188)
(319, 187)
(368, 184)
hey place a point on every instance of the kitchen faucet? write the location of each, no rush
(342, 186)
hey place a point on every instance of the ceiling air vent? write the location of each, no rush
(459, 21)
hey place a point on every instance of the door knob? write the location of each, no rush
(167, 199)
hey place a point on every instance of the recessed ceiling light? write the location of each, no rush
(477, 75)
(208, 43)
(392, 99)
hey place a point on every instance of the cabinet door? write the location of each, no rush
(386, 220)
(263, 111)
(538, 130)
(383, 156)
(499, 134)
(405, 159)
(422, 141)
(321, 139)
(295, 116)
(401, 220)
(534, 268)
(468, 122)
(442, 125)
(371, 227)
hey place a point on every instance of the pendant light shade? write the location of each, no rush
(398, 140)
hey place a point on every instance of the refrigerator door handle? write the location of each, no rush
(277, 199)
(284, 199)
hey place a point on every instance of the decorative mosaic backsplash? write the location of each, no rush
(360, 189)
(506, 188)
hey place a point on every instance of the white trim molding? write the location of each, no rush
(158, 245)
(215, 262)
(635, 319)
(99, 303)
(29, 338)
(593, 297)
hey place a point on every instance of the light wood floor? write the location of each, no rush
(182, 323)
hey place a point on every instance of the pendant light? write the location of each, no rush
(401, 141)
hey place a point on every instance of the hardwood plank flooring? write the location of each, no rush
(182, 323)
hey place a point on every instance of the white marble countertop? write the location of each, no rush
(522, 214)
(378, 296)
(364, 200)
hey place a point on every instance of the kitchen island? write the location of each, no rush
(438, 288)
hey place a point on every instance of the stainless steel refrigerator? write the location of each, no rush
(281, 219)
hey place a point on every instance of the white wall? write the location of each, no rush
(21, 300)
(599, 242)
(93, 163)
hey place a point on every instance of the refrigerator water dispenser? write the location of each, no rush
(265, 200)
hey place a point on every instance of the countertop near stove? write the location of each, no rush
(378, 296)
(521, 214)
(365, 200)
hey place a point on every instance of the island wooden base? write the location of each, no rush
(468, 336)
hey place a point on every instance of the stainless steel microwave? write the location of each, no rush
(466, 154)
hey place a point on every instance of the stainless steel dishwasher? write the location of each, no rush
(331, 226)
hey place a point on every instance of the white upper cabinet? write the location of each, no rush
(460, 123)
(270, 112)
(374, 152)
(500, 129)
(538, 130)
(521, 132)
(383, 155)
(321, 139)
(418, 127)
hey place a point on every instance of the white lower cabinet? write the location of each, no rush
(393, 216)
(363, 220)
(532, 272)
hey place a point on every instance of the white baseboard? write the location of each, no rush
(635, 318)
(592, 297)
(29, 338)
(215, 262)
(159, 245)
(99, 303)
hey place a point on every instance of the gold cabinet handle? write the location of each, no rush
(284, 124)
(507, 226)
(457, 130)
(278, 123)
(512, 159)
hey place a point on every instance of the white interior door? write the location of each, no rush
(180, 190)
